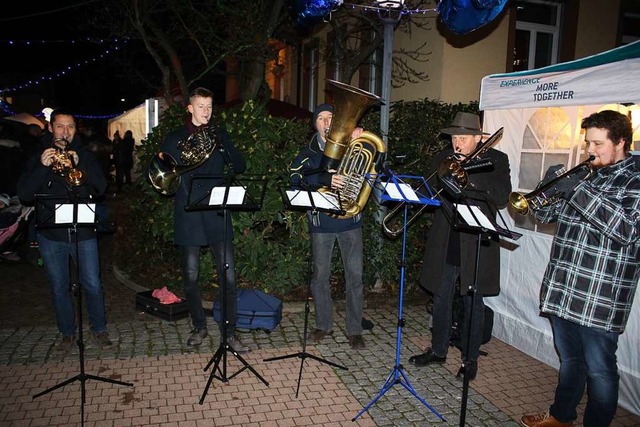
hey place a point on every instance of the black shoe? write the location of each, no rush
(238, 345)
(426, 358)
(317, 335)
(472, 371)
(196, 337)
(356, 342)
(367, 324)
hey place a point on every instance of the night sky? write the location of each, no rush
(42, 34)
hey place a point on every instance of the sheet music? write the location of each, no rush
(400, 191)
(235, 196)
(64, 213)
(320, 200)
(467, 213)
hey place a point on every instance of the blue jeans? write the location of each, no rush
(587, 357)
(55, 255)
(190, 261)
(350, 243)
(442, 314)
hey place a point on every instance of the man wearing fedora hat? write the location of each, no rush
(450, 255)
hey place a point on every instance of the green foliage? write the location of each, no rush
(272, 244)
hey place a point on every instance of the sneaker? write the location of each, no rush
(356, 342)
(543, 420)
(238, 345)
(317, 335)
(65, 344)
(196, 337)
(103, 340)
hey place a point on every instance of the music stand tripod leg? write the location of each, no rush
(220, 356)
(77, 291)
(303, 355)
(397, 375)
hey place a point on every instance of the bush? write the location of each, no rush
(272, 244)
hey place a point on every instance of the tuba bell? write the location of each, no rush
(358, 159)
(164, 173)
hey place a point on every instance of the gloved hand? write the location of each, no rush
(564, 187)
(551, 173)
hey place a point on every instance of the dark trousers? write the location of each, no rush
(190, 262)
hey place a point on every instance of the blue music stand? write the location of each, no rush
(397, 190)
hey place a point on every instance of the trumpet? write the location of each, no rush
(453, 172)
(64, 165)
(548, 193)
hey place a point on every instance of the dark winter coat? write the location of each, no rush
(42, 180)
(496, 181)
(202, 227)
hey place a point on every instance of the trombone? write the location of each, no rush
(548, 193)
(450, 169)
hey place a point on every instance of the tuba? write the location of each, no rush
(64, 165)
(547, 193)
(357, 160)
(164, 173)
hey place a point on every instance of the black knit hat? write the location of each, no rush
(319, 109)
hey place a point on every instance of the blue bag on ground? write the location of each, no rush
(255, 310)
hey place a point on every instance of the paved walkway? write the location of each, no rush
(169, 381)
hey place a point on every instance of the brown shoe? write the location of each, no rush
(543, 420)
(356, 342)
(317, 335)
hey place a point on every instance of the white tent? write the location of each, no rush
(541, 111)
(139, 120)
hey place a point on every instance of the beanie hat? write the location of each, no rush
(319, 109)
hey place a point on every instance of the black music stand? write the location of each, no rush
(71, 212)
(308, 200)
(225, 193)
(466, 216)
(397, 190)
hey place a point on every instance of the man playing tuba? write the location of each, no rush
(325, 229)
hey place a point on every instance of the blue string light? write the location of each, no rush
(63, 72)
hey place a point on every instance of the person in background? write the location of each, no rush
(593, 272)
(195, 229)
(450, 255)
(325, 231)
(124, 162)
(56, 244)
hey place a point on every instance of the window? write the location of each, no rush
(310, 76)
(537, 34)
(370, 73)
(549, 139)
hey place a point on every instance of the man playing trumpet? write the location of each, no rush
(53, 172)
(593, 272)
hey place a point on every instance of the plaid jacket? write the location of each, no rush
(594, 265)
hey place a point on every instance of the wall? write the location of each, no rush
(597, 27)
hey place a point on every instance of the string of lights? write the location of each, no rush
(90, 40)
(384, 7)
(63, 72)
(7, 111)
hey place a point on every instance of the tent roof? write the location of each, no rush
(26, 118)
(608, 77)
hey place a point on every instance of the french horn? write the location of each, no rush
(164, 173)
